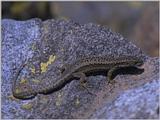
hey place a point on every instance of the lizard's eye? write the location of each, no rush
(139, 63)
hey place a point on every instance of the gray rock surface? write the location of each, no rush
(48, 46)
(140, 102)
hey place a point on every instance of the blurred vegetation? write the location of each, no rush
(137, 21)
(26, 10)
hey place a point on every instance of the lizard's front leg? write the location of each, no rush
(83, 80)
(82, 77)
(110, 74)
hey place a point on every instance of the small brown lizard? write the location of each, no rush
(79, 70)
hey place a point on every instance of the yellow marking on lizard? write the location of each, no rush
(44, 66)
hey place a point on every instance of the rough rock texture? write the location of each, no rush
(48, 46)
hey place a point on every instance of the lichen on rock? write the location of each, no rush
(59, 42)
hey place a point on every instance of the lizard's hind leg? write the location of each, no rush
(64, 68)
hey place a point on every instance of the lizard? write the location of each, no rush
(78, 70)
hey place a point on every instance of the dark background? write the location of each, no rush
(137, 21)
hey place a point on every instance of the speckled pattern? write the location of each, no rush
(78, 70)
(137, 103)
(37, 41)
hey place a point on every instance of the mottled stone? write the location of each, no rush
(137, 103)
(47, 46)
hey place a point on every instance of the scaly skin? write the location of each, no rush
(78, 70)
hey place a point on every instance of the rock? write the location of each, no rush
(47, 46)
(139, 102)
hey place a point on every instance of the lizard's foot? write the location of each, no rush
(86, 88)
(111, 84)
(111, 81)
(83, 81)
(84, 85)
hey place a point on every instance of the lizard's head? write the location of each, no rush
(138, 63)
